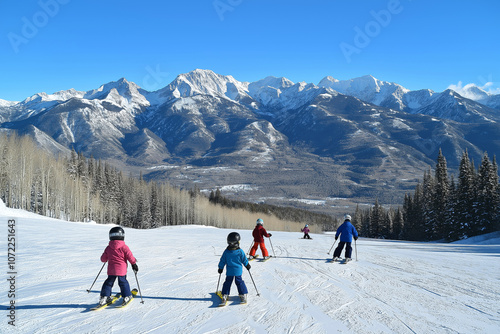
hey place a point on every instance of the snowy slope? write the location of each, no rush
(395, 287)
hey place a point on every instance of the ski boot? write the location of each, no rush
(105, 300)
(126, 300)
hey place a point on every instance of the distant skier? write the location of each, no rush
(306, 232)
(259, 232)
(233, 257)
(117, 254)
(346, 231)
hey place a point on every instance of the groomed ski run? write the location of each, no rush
(395, 287)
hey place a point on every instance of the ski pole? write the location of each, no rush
(140, 293)
(218, 283)
(253, 242)
(274, 254)
(332, 247)
(356, 249)
(258, 294)
(96, 277)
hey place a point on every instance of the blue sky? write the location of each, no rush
(52, 45)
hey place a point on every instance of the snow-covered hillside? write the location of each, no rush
(395, 287)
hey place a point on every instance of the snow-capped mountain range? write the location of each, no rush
(279, 138)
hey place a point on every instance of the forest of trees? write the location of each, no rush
(441, 208)
(327, 222)
(76, 188)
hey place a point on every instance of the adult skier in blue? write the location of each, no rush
(346, 231)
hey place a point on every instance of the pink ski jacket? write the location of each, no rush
(117, 254)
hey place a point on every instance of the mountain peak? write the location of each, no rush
(5, 103)
(123, 87)
(61, 95)
(204, 82)
(269, 82)
(327, 80)
(369, 89)
(470, 91)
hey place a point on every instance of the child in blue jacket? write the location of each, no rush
(233, 257)
(346, 231)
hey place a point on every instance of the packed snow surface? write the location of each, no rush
(394, 287)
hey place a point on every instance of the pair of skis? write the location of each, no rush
(341, 261)
(114, 299)
(261, 260)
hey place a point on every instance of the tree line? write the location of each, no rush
(77, 188)
(441, 208)
(326, 222)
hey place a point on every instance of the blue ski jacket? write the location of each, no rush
(233, 259)
(346, 231)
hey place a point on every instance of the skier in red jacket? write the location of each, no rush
(259, 232)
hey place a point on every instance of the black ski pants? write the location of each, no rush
(348, 249)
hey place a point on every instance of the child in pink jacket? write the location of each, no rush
(117, 254)
(306, 232)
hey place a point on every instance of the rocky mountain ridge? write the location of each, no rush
(277, 140)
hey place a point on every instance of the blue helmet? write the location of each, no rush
(260, 222)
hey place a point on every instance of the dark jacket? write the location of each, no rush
(258, 233)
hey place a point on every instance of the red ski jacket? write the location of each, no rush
(258, 233)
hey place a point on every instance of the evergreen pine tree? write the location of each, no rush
(450, 228)
(386, 224)
(413, 213)
(397, 225)
(428, 214)
(487, 197)
(441, 197)
(465, 199)
(357, 220)
(376, 220)
(496, 201)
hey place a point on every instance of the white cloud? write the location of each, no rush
(473, 91)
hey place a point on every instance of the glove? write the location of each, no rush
(355, 238)
(220, 271)
(248, 266)
(336, 238)
(270, 235)
(135, 267)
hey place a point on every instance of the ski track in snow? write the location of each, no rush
(395, 287)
